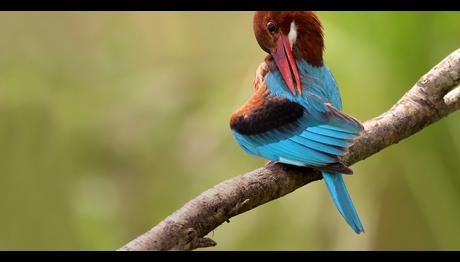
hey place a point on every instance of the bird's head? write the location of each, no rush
(287, 36)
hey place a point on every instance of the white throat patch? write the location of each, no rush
(292, 36)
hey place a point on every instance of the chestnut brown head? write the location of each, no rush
(287, 36)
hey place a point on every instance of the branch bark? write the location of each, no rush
(433, 97)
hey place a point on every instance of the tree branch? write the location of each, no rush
(430, 99)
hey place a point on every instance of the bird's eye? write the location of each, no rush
(271, 27)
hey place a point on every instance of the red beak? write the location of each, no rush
(286, 64)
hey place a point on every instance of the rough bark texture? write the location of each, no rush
(433, 97)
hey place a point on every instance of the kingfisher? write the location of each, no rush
(295, 115)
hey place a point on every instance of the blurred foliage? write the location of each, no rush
(110, 121)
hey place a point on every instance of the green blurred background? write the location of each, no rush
(110, 121)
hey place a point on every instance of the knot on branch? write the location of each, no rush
(239, 207)
(190, 240)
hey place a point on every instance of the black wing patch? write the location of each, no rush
(273, 112)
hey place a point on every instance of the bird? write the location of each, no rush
(295, 115)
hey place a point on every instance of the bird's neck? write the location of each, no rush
(312, 54)
(309, 44)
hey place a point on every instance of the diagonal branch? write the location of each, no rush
(433, 97)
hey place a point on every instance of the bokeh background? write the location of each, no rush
(110, 121)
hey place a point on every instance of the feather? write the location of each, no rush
(339, 193)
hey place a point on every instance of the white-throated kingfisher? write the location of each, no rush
(294, 116)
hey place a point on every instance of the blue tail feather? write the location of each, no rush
(338, 191)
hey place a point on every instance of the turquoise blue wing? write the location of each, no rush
(313, 137)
